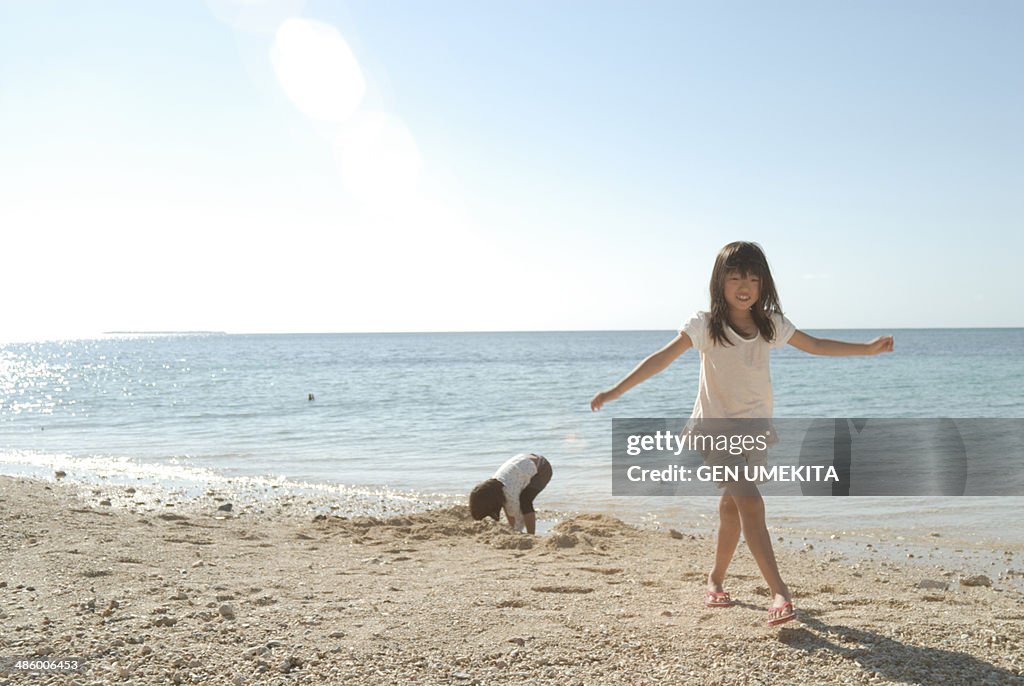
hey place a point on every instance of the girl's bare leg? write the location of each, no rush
(750, 506)
(530, 520)
(728, 539)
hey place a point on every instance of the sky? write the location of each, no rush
(290, 166)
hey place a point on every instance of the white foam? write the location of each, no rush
(178, 472)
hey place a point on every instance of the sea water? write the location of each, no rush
(431, 414)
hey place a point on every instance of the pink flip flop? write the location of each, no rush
(717, 599)
(789, 613)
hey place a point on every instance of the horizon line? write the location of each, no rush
(203, 332)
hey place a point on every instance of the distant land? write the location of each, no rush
(164, 333)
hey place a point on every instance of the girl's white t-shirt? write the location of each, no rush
(734, 379)
(515, 475)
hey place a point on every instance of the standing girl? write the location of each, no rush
(734, 339)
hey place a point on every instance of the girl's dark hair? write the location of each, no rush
(486, 500)
(746, 258)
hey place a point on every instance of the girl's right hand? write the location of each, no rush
(600, 399)
(652, 364)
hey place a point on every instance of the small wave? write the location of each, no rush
(179, 475)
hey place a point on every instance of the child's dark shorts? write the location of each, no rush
(536, 485)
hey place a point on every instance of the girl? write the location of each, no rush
(734, 339)
(512, 488)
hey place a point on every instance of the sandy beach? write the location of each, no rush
(196, 594)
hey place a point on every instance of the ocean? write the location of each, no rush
(427, 415)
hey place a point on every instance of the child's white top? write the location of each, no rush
(734, 379)
(514, 476)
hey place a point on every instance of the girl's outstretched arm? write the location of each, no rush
(826, 346)
(653, 364)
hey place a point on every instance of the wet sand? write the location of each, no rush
(277, 594)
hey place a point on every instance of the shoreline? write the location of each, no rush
(192, 595)
(923, 549)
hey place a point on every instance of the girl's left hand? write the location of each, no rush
(882, 344)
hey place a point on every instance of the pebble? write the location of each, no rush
(291, 662)
(976, 580)
(226, 507)
(226, 611)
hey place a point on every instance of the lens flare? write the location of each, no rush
(379, 158)
(317, 70)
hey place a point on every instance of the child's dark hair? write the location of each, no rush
(486, 500)
(746, 258)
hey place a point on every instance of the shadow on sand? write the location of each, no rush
(896, 661)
